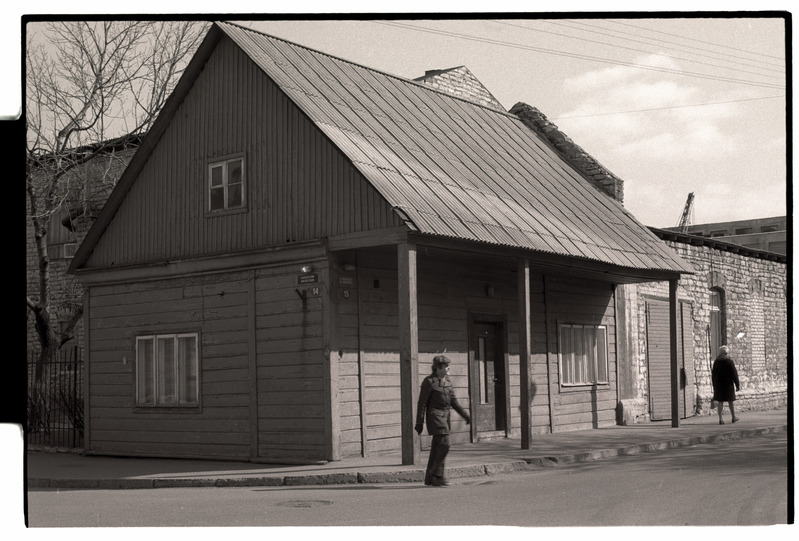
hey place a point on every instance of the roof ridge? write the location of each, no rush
(375, 70)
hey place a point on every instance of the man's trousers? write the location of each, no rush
(438, 454)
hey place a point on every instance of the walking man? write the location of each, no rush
(436, 398)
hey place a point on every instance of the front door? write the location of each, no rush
(488, 380)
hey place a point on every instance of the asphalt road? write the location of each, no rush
(731, 483)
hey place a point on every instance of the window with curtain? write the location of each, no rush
(167, 370)
(583, 354)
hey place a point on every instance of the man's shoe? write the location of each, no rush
(440, 482)
(721, 421)
(735, 419)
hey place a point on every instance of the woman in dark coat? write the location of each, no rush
(725, 382)
(436, 398)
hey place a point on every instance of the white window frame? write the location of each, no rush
(167, 383)
(224, 166)
(583, 362)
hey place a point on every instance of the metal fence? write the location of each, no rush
(55, 402)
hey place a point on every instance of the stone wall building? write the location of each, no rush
(769, 234)
(738, 298)
(93, 182)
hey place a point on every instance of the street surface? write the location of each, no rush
(742, 482)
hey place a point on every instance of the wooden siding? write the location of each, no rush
(659, 359)
(540, 398)
(379, 347)
(299, 186)
(348, 357)
(213, 306)
(449, 290)
(589, 303)
(290, 362)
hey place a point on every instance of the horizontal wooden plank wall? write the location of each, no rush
(449, 290)
(298, 185)
(581, 302)
(349, 381)
(659, 358)
(290, 362)
(379, 348)
(540, 387)
(214, 306)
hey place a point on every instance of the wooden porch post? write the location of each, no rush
(524, 349)
(675, 369)
(409, 350)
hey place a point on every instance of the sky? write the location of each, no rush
(671, 103)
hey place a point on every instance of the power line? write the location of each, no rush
(668, 108)
(699, 41)
(578, 56)
(737, 58)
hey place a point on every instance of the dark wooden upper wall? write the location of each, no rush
(299, 186)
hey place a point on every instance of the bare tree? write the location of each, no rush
(92, 88)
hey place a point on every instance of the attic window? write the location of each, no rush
(226, 187)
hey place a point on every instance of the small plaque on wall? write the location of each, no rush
(307, 278)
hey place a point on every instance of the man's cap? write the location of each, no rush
(440, 360)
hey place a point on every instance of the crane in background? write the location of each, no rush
(687, 214)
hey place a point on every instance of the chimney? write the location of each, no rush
(595, 172)
(461, 83)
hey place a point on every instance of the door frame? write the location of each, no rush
(502, 321)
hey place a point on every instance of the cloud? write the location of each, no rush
(651, 118)
(614, 76)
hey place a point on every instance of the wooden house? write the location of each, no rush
(298, 236)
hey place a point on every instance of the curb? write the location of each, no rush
(400, 476)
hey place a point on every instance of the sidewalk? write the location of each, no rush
(69, 470)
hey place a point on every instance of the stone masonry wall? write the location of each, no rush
(755, 292)
(96, 180)
(603, 179)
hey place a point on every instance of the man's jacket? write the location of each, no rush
(435, 400)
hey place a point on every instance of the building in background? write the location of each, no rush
(737, 297)
(765, 234)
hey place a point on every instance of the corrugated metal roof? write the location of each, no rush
(455, 168)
